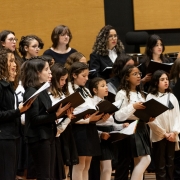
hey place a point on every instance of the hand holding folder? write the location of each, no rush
(154, 66)
(153, 109)
(103, 107)
(124, 133)
(75, 99)
(35, 95)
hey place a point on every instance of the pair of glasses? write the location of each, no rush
(137, 74)
(13, 39)
(113, 36)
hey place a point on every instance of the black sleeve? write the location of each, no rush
(33, 113)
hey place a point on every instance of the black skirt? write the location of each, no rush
(87, 139)
(137, 144)
(106, 146)
(68, 145)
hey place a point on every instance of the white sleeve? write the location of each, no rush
(118, 127)
(62, 126)
(23, 119)
(126, 109)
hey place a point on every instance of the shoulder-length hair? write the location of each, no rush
(175, 70)
(100, 45)
(153, 88)
(30, 70)
(25, 41)
(74, 57)
(3, 36)
(58, 71)
(4, 72)
(151, 43)
(57, 31)
(125, 84)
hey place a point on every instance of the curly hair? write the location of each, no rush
(25, 41)
(57, 72)
(125, 84)
(100, 45)
(57, 31)
(74, 57)
(4, 72)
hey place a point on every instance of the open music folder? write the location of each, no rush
(153, 109)
(35, 95)
(103, 107)
(75, 99)
(125, 132)
(154, 66)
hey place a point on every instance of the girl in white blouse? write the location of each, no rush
(64, 137)
(137, 146)
(165, 128)
(84, 132)
(99, 90)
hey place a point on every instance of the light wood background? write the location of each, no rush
(156, 14)
(84, 18)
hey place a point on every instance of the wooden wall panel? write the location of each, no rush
(84, 18)
(156, 14)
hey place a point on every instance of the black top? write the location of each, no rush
(38, 123)
(59, 58)
(9, 116)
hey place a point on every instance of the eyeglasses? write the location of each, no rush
(113, 36)
(137, 74)
(13, 39)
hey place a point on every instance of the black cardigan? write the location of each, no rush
(9, 116)
(38, 123)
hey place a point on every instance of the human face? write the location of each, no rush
(81, 78)
(112, 39)
(130, 62)
(62, 80)
(157, 49)
(134, 78)
(33, 49)
(163, 83)
(45, 74)
(83, 60)
(10, 42)
(102, 89)
(11, 66)
(64, 38)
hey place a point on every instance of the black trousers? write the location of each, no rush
(164, 159)
(43, 154)
(177, 165)
(8, 158)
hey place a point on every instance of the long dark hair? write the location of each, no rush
(29, 72)
(125, 84)
(100, 45)
(175, 70)
(4, 73)
(57, 72)
(153, 88)
(76, 69)
(151, 43)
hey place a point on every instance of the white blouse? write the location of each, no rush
(112, 54)
(167, 122)
(110, 121)
(126, 111)
(88, 102)
(62, 126)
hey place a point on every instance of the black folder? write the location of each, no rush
(154, 66)
(124, 133)
(75, 99)
(153, 109)
(103, 106)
